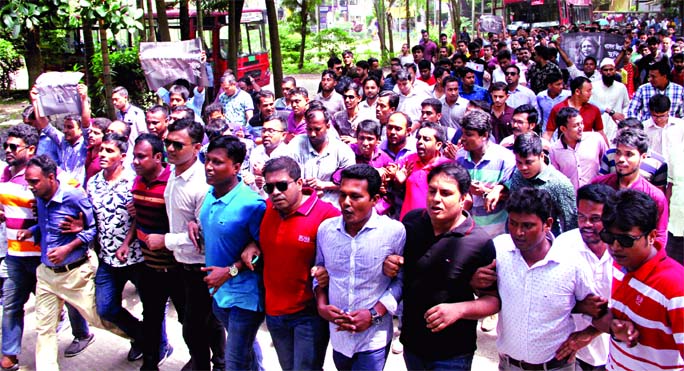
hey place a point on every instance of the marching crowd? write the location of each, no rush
(477, 177)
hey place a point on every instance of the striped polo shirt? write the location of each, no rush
(652, 297)
(151, 218)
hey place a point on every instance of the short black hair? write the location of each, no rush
(632, 138)
(283, 163)
(659, 103)
(532, 114)
(528, 144)
(46, 164)
(371, 127)
(317, 106)
(533, 201)
(440, 132)
(162, 108)
(180, 90)
(553, 77)
(565, 114)
(25, 132)
(235, 149)
(393, 98)
(630, 208)
(153, 140)
(596, 193)
(435, 103)
(663, 67)
(195, 130)
(630, 122)
(424, 65)
(119, 140)
(477, 121)
(577, 83)
(364, 172)
(498, 86)
(455, 172)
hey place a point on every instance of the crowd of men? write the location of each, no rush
(473, 179)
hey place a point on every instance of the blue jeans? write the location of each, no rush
(368, 360)
(17, 288)
(415, 362)
(300, 339)
(242, 349)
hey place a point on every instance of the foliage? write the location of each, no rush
(10, 62)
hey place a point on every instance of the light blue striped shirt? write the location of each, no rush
(354, 265)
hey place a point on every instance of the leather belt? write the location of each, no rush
(553, 363)
(68, 267)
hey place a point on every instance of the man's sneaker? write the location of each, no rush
(166, 355)
(397, 346)
(135, 353)
(78, 346)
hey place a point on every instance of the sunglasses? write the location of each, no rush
(511, 73)
(12, 146)
(625, 240)
(176, 145)
(349, 96)
(280, 186)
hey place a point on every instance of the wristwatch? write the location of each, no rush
(233, 270)
(375, 317)
(610, 112)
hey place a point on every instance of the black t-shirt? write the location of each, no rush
(438, 269)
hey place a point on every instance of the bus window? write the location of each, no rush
(223, 42)
(252, 40)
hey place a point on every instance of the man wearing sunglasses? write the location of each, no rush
(288, 248)
(631, 147)
(646, 317)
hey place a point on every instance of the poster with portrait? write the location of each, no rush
(58, 93)
(491, 23)
(599, 45)
(165, 62)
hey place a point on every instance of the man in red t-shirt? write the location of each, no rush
(288, 244)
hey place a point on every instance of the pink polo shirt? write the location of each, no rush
(582, 163)
(416, 183)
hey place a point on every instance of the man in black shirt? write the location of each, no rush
(443, 249)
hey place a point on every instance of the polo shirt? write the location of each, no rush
(452, 115)
(501, 126)
(579, 164)
(229, 223)
(478, 93)
(288, 245)
(294, 127)
(438, 269)
(650, 297)
(18, 203)
(409, 148)
(411, 104)
(151, 217)
(416, 183)
(379, 159)
(333, 103)
(591, 116)
(236, 106)
(657, 195)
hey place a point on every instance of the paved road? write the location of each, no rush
(108, 352)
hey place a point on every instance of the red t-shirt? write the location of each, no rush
(288, 245)
(591, 116)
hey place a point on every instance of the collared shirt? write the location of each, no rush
(522, 95)
(333, 103)
(135, 117)
(613, 97)
(675, 175)
(561, 191)
(67, 201)
(48, 143)
(236, 106)
(113, 222)
(368, 110)
(498, 75)
(537, 75)
(651, 298)
(258, 158)
(494, 168)
(195, 102)
(73, 157)
(653, 168)
(18, 201)
(478, 93)
(579, 164)
(322, 165)
(453, 114)
(657, 195)
(658, 135)
(576, 72)
(294, 127)
(638, 107)
(183, 196)
(288, 244)
(591, 116)
(228, 224)
(416, 183)
(547, 103)
(438, 269)
(345, 126)
(537, 301)
(411, 104)
(430, 48)
(601, 270)
(378, 160)
(409, 148)
(354, 266)
(501, 126)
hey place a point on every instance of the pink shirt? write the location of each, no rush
(294, 127)
(656, 194)
(582, 163)
(416, 183)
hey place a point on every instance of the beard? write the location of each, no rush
(608, 80)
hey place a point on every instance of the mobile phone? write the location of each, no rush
(255, 259)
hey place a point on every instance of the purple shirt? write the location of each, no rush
(582, 163)
(295, 128)
(380, 158)
(656, 194)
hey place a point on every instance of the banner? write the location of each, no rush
(165, 62)
(58, 93)
(491, 23)
(599, 45)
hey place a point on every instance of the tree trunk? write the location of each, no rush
(379, 7)
(235, 14)
(276, 56)
(106, 71)
(89, 48)
(408, 29)
(455, 10)
(162, 21)
(151, 35)
(390, 35)
(304, 16)
(33, 55)
(184, 18)
(200, 22)
(427, 16)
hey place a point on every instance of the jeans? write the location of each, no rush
(17, 288)
(415, 362)
(156, 287)
(300, 339)
(368, 360)
(242, 349)
(201, 329)
(109, 285)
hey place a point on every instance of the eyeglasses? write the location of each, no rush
(271, 131)
(176, 145)
(12, 146)
(511, 73)
(281, 186)
(594, 219)
(625, 240)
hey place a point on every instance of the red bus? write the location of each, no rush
(546, 13)
(253, 59)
